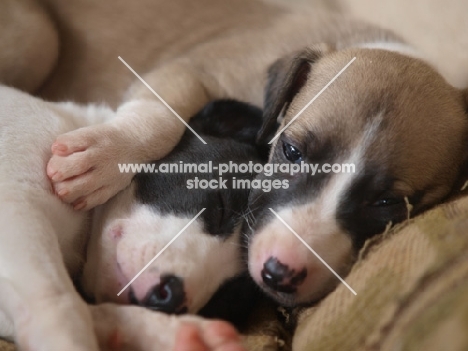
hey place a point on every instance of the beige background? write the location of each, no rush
(438, 28)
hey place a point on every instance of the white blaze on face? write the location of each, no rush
(316, 222)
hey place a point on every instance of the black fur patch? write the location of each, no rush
(229, 128)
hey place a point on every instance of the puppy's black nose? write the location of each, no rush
(279, 277)
(168, 296)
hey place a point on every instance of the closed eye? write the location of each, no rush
(388, 201)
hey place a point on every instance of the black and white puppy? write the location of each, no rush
(138, 223)
(45, 244)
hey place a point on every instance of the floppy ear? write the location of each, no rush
(286, 77)
(464, 93)
(463, 176)
(229, 119)
(465, 96)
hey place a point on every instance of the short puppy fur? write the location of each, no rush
(137, 223)
(389, 113)
(395, 119)
(45, 244)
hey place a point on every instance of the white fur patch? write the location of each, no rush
(400, 48)
(202, 260)
(316, 223)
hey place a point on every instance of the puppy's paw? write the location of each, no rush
(134, 328)
(208, 336)
(84, 168)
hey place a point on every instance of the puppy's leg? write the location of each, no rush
(37, 296)
(36, 292)
(143, 130)
(138, 329)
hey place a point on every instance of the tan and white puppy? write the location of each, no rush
(193, 52)
(393, 118)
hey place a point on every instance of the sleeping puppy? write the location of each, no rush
(137, 223)
(44, 243)
(392, 117)
(389, 113)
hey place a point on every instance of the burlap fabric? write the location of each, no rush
(4, 346)
(412, 291)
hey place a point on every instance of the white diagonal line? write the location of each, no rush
(311, 101)
(161, 99)
(160, 252)
(312, 250)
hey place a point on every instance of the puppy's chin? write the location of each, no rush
(300, 298)
(307, 294)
